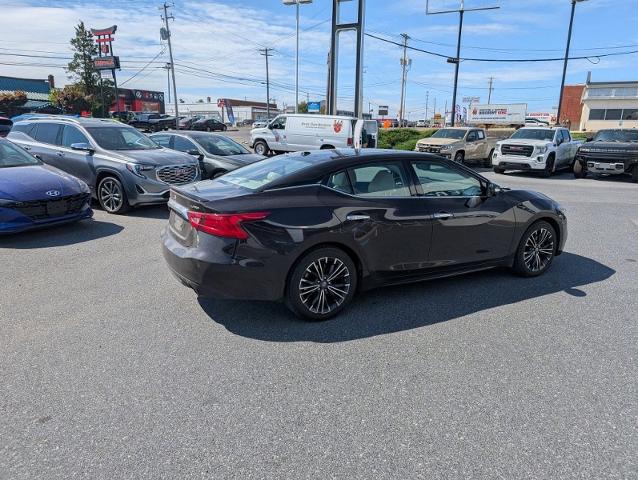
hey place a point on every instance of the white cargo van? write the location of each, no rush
(299, 132)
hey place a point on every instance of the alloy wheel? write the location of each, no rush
(538, 250)
(111, 195)
(324, 285)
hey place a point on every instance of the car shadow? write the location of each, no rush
(403, 308)
(61, 235)
(159, 212)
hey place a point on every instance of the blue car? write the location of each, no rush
(34, 195)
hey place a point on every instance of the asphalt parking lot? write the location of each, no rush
(111, 369)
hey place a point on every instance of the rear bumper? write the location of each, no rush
(13, 222)
(211, 268)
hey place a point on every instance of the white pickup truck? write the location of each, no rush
(537, 149)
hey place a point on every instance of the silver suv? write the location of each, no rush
(123, 167)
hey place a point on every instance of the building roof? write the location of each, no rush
(623, 83)
(34, 88)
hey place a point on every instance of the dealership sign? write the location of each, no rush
(383, 110)
(471, 99)
(106, 63)
(506, 114)
(314, 107)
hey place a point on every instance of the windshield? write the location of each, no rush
(534, 134)
(260, 174)
(217, 145)
(121, 138)
(616, 136)
(450, 133)
(12, 156)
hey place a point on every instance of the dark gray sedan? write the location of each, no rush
(218, 154)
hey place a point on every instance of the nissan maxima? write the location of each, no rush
(313, 228)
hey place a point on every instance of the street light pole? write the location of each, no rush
(569, 41)
(296, 3)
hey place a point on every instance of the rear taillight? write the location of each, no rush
(349, 141)
(226, 225)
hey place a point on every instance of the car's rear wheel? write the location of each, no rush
(111, 195)
(536, 250)
(321, 284)
(208, 129)
(261, 148)
(579, 170)
(634, 174)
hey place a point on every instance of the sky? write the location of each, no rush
(216, 47)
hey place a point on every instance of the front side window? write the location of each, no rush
(13, 156)
(71, 135)
(218, 145)
(47, 133)
(162, 140)
(278, 123)
(121, 138)
(438, 180)
(471, 137)
(380, 180)
(183, 145)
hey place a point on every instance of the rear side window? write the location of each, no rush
(380, 180)
(47, 133)
(26, 128)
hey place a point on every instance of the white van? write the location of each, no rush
(300, 132)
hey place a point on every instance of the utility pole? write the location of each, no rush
(569, 41)
(266, 53)
(168, 80)
(404, 66)
(427, 98)
(170, 54)
(457, 60)
(434, 105)
(489, 91)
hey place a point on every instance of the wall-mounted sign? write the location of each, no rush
(471, 99)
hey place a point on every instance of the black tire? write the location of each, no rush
(112, 196)
(549, 168)
(531, 261)
(224, 128)
(488, 161)
(634, 174)
(579, 171)
(499, 170)
(208, 129)
(459, 157)
(310, 293)
(261, 148)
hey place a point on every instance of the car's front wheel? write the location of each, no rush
(459, 157)
(321, 284)
(579, 170)
(261, 148)
(536, 250)
(111, 195)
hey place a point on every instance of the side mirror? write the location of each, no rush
(492, 190)
(85, 147)
(193, 152)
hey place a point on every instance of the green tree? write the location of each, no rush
(81, 68)
(302, 107)
(10, 102)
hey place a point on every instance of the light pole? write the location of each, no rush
(569, 41)
(296, 3)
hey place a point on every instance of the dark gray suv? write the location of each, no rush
(123, 167)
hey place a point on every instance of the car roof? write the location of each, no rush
(85, 122)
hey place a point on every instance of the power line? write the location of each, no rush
(143, 68)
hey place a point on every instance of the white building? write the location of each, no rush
(242, 109)
(609, 105)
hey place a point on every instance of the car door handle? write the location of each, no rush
(60, 154)
(26, 148)
(353, 217)
(442, 215)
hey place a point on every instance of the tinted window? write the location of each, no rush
(597, 114)
(26, 128)
(47, 133)
(380, 180)
(163, 140)
(121, 138)
(279, 123)
(218, 145)
(627, 114)
(183, 145)
(567, 136)
(340, 181)
(71, 135)
(438, 180)
(613, 114)
(471, 137)
(13, 156)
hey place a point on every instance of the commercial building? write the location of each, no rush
(598, 105)
(139, 101)
(37, 91)
(242, 109)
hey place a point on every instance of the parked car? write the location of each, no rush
(218, 154)
(246, 123)
(185, 123)
(535, 122)
(5, 126)
(299, 132)
(209, 125)
(462, 144)
(123, 167)
(537, 149)
(422, 123)
(35, 195)
(313, 228)
(152, 122)
(124, 117)
(609, 152)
